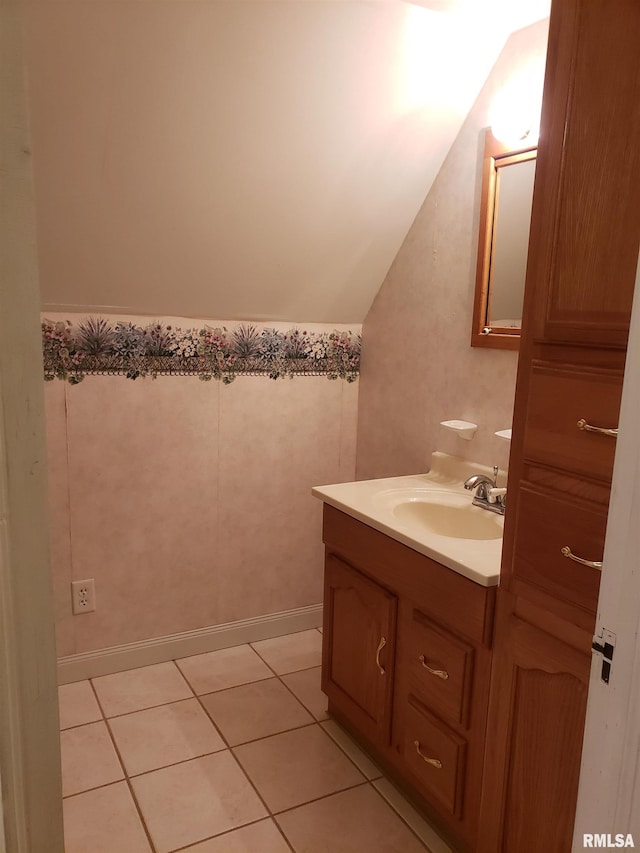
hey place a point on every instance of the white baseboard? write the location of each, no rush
(160, 649)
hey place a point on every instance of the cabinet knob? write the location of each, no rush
(434, 762)
(593, 564)
(583, 425)
(381, 645)
(439, 673)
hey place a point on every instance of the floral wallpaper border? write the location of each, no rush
(97, 345)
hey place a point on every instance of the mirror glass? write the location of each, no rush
(505, 218)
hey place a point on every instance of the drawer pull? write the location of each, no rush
(439, 673)
(434, 762)
(381, 645)
(582, 424)
(593, 564)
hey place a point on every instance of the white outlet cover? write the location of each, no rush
(83, 596)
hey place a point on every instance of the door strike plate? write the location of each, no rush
(604, 643)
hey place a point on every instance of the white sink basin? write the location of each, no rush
(431, 513)
(445, 514)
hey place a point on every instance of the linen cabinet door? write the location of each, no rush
(537, 716)
(586, 218)
(358, 655)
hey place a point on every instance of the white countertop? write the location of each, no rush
(476, 559)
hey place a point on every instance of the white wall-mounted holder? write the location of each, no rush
(504, 434)
(463, 429)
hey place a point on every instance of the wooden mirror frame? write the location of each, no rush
(496, 155)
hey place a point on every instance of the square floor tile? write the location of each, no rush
(297, 766)
(418, 824)
(306, 686)
(77, 705)
(165, 735)
(192, 801)
(135, 689)
(223, 668)
(255, 711)
(261, 837)
(88, 758)
(103, 821)
(347, 744)
(351, 822)
(292, 652)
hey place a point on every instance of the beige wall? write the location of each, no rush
(190, 502)
(418, 368)
(256, 159)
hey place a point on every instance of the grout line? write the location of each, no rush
(275, 734)
(288, 672)
(281, 831)
(136, 805)
(305, 725)
(228, 832)
(94, 788)
(279, 814)
(396, 812)
(321, 797)
(299, 699)
(355, 744)
(80, 725)
(176, 763)
(269, 814)
(302, 669)
(150, 708)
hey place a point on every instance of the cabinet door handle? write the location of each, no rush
(593, 564)
(381, 645)
(582, 424)
(434, 762)
(439, 673)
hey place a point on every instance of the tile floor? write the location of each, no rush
(227, 752)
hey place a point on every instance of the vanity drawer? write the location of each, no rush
(435, 755)
(560, 397)
(553, 523)
(440, 668)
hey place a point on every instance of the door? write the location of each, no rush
(359, 649)
(31, 808)
(610, 775)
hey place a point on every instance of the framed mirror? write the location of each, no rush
(505, 217)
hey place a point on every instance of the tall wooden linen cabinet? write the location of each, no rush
(583, 250)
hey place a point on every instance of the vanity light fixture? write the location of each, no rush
(515, 111)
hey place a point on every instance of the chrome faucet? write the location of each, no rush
(488, 495)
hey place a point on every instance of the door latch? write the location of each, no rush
(604, 643)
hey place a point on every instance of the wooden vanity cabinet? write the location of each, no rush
(406, 667)
(583, 251)
(359, 632)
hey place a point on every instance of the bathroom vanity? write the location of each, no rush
(408, 625)
(434, 617)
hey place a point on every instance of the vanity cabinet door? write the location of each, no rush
(358, 655)
(538, 705)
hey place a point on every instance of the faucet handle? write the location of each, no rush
(495, 474)
(496, 495)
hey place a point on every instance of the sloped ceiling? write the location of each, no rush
(241, 160)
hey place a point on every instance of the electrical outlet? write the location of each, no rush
(83, 596)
